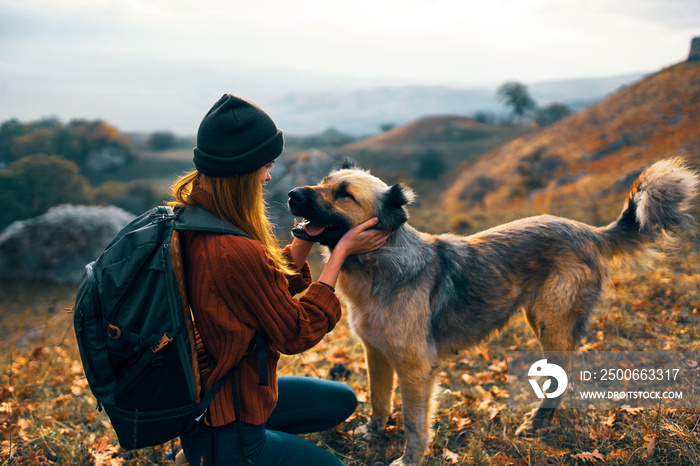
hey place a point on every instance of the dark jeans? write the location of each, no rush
(305, 405)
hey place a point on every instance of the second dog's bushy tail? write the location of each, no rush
(656, 206)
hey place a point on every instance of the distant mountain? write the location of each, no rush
(164, 95)
(580, 93)
(364, 111)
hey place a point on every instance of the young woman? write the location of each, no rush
(241, 286)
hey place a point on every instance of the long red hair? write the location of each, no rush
(238, 200)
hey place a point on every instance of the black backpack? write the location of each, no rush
(135, 329)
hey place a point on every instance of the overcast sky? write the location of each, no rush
(44, 43)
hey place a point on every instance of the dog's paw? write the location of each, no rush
(531, 428)
(526, 430)
(366, 433)
(402, 462)
(533, 424)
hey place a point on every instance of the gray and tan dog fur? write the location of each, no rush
(421, 297)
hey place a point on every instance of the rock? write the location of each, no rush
(57, 245)
(694, 55)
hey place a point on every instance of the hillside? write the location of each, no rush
(575, 164)
(425, 149)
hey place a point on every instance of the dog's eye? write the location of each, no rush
(344, 194)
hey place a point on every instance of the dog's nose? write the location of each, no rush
(296, 195)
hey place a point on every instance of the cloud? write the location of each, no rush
(419, 39)
(65, 55)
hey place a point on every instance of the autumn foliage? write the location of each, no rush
(48, 416)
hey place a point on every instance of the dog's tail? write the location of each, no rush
(656, 206)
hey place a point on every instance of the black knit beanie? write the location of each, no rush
(236, 137)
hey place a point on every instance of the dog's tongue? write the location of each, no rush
(313, 230)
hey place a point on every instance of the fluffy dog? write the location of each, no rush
(423, 297)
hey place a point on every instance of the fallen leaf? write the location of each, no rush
(106, 459)
(312, 357)
(481, 390)
(555, 452)
(460, 421)
(502, 459)
(609, 421)
(361, 394)
(451, 457)
(499, 366)
(493, 412)
(592, 457)
(649, 446)
(24, 425)
(632, 411)
(618, 455)
(101, 444)
(674, 430)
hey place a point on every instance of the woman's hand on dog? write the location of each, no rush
(359, 240)
(362, 239)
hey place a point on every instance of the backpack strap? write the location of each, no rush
(177, 261)
(197, 218)
(194, 218)
(262, 369)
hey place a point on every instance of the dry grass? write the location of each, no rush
(47, 414)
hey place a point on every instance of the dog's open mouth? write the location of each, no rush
(310, 228)
(307, 230)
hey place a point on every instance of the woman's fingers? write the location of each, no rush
(377, 239)
(367, 224)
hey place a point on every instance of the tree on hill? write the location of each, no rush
(552, 113)
(161, 140)
(516, 96)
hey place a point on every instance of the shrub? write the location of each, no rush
(33, 184)
(432, 163)
(552, 113)
(135, 197)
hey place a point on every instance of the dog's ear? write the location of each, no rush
(399, 195)
(348, 164)
(391, 211)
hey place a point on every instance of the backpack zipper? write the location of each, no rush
(81, 317)
(162, 215)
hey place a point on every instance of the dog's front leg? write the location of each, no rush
(381, 387)
(417, 387)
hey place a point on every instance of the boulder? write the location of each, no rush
(694, 55)
(56, 245)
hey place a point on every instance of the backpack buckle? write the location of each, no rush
(114, 332)
(164, 340)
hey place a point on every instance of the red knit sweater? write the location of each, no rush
(235, 290)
